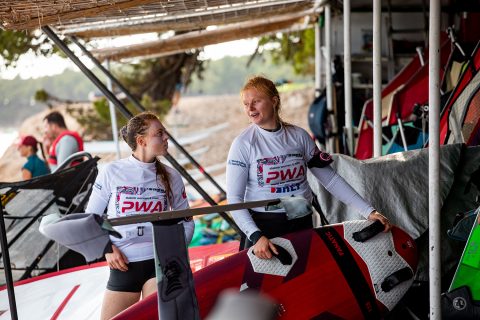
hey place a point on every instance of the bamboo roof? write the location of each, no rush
(93, 18)
(201, 38)
(235, 19)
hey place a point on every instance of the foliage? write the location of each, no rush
(41, 95)
(227, 75)
(17, 95)
(14, 44)
(296, 48)
(158, 78)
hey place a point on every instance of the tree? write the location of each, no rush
(14, 44)
(50, 100)
(159, 78)
(296, 48)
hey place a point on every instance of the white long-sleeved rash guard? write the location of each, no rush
(128, 186)
(267, 165)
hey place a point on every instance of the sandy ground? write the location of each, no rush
(193, 114)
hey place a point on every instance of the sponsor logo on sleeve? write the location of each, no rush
(237, 163)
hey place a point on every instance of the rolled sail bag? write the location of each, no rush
(85, 233)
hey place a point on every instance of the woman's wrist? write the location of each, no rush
(254, 237)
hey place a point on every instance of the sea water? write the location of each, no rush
(7, 137)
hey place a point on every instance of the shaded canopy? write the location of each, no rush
(235, 19)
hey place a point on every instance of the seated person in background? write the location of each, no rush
(34, 167)
(63, 141)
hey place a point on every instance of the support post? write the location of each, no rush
(377, 78)
(7, 267)
(347, 75)
(113, 115)
(318, 59)
(330, 143)
(434, 162)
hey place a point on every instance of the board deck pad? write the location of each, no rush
(333, 276)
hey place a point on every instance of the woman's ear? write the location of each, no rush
(276, 102)
(141, 141)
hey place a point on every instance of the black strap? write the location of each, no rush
(351, 271)
(368, 232)
(396, 278)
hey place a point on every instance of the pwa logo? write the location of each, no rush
(144, 206)
(275, 176)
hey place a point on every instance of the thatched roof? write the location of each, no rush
(100, 18)
(201, 38)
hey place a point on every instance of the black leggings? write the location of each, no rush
(276, 224)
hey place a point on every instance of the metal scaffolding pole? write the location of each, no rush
(330, 143)
(7, 267)
(347, 75)
(110, 96)
(377, 78)
(434, 161)
(318, 59)
(113, 116)
(139, 106)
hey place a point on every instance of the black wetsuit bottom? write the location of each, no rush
(134, 278)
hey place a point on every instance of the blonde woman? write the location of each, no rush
(269, 160)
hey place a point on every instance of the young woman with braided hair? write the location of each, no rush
(269, 160)
(138, 184)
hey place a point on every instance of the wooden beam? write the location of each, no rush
(185, 24)
(197, 39)
(187, 21)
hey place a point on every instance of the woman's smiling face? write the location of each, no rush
(260, 108)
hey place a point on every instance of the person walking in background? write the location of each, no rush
(60, 141)
(135, 185)
(269, 160)
(34, 167)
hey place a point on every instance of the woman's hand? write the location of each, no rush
(375, 215)
(262, 248)
(116, 259)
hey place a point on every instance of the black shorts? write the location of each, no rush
(134, 278)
